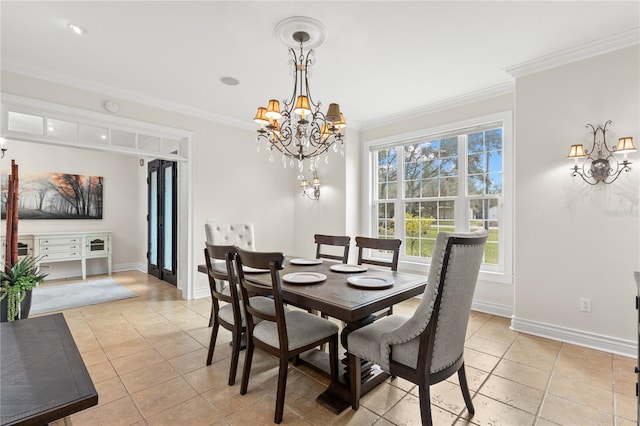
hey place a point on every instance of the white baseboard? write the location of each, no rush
(130, 267)
(492, 308)
(199, 293)
(599, 342)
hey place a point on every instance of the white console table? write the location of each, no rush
(67, 246)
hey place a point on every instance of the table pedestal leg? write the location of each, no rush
(337, 396)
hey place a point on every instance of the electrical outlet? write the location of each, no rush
(585, 305)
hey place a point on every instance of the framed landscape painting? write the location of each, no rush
(56, 196)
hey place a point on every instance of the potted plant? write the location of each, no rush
(16, 286)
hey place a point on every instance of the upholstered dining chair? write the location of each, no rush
(228, 314)
(427, 347)
(285, 333)
(332, 240)
(229, 234)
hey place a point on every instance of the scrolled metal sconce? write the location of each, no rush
(599, 161)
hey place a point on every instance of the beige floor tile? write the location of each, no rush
(227, 399)
(110, 390)
(148, 377)
(446, 395)
(407, 412)
(492, 412)
(497, 328)
(133, 362)
(126, 347)
(522, 354)
(120, 412)
(175, 344)
(512, 393)
(401, 383)
(260, 413)
(524, 374)
(323, 417)
(191, 361)
(626, 406)
(161, 397)
(488, 346)
(94, 357)
(301, 394)
(101, 371)
(583, 390)
(475, 378)
(382, 398)
(624, 377)
(566, 412)
(480, 360)
(194, 412)
(621, 421)
(212, 377)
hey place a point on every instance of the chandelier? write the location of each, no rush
(300, 130)
(600, 164)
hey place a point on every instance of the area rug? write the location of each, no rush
(58, 297)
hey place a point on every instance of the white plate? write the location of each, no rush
(250, 270)
(304, 277)
(303, 261)
(368, 281)
(346, 268)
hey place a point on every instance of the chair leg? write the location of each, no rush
(462, 378)
(248, 356)
(354, 378)
(425, 404)
(213, 314)
(212, 342)
(235, 354)
(282, 387)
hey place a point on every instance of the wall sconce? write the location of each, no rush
(311, 191)
(3, 148)
(599, 162)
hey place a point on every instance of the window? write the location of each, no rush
(453, 179)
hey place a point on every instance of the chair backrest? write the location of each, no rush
(379, 244)
(234, 234)
(273, 261)
(332, 240)
(221, 277)
(446, 302)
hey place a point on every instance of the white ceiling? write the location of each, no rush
(380, 59)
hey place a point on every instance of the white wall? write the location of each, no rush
(574, 240)
(231, 181)
(119, 172)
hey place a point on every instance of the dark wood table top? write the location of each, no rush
(43, 377)
(339, 299)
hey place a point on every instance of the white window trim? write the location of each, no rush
(505, 276)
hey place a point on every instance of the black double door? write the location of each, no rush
(162, 217)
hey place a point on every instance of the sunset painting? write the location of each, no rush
(56, 196)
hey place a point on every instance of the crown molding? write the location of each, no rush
(126, 95)
(576, 53)
(454, 102)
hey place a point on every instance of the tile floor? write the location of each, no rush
(147, 355)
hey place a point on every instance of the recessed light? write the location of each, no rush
(229, 81)
(103, 137)
(76, 29)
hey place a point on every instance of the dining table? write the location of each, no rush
(350, 293)
(43, 377)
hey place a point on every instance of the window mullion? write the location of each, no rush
(400, 196)
(461, 203)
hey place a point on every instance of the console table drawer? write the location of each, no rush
(49, 242)
(48, 257)
(75, 249)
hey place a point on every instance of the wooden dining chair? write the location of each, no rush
(332, 240)
(228, 314)
(366, 243)
(283, 333)
(381, 244)
(427, 347)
